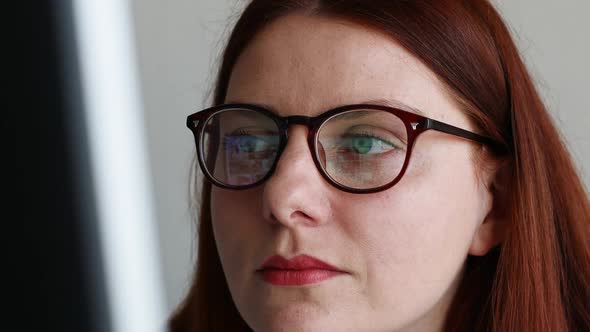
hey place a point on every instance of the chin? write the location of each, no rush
(301, 317)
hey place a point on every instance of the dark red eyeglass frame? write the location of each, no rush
(415, 125)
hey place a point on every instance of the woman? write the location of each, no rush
(383, 166)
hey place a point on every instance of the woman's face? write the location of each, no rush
(401, 251)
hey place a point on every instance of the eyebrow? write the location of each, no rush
(395, 104)
(382, 102)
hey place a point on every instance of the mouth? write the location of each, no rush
(299, 270)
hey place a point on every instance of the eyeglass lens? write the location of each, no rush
(360, 149)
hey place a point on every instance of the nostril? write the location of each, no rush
(299, 215)
(290, 219)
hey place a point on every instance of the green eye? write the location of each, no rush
(249, 144)
(369, 145)
(245, 142)
(362, 145)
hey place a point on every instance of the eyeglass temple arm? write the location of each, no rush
(456, 131)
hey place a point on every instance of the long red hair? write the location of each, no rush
(538, 278)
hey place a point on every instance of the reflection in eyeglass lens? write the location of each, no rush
(249, 155)
(363, 149)
(242, 146)
(360, 149)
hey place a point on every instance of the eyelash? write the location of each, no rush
(241, 132)
(369, 134)
(363, 133)
(238, 132)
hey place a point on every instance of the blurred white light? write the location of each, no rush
(115, 127)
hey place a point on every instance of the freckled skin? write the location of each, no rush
(403, 248)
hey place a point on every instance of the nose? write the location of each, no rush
(296, 194)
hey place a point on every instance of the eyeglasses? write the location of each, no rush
(361, 148)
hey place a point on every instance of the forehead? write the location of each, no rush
(305, 65)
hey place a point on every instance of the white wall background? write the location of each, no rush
(179, 42)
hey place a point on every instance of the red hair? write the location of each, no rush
(538, 278)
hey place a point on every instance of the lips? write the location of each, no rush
(299, 270)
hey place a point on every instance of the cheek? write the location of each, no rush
(234, 226)
(414, 237)
(440, 197)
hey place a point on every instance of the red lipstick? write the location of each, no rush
(299, 270)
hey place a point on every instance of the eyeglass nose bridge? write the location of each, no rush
(311, 124)
(298, 120)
